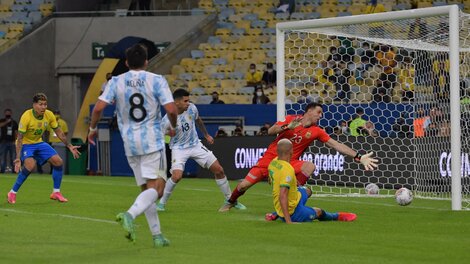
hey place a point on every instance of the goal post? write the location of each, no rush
(302, 48)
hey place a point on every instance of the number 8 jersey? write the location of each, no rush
(186, 134)
(138, 96)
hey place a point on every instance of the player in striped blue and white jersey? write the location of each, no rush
(186, 145)
(138, 96)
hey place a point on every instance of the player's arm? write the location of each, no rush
(366, 160)
(172, 114)
(95, 117)
(281, 127)
(19, 146)
(202, 127)
(74, 149)
(283, 200)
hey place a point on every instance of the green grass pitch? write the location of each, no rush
(39, 230)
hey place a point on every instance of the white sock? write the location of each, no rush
(55, 190)
(143, 201)
(169, 186)
(152, 219)
(224, 187)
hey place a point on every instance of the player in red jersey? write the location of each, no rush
(301, 131)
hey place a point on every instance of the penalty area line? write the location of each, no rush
(60, 215)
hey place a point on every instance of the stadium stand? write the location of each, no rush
(17, 18)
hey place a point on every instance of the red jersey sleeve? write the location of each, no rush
(322, 135)
(287, 120)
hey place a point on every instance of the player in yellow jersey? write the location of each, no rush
(30, 149)
(289, 200)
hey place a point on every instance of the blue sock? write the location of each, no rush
(325, 216)
(57, 176)
(24, 173)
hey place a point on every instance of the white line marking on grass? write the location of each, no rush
(379, 204)
(60, 215)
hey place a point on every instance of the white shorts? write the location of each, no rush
(149, 166)
(204, 157)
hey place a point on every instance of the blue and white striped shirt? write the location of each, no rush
(186, 134)
(138, 96)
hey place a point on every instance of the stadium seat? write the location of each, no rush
(225, 24)
(313, 15)
(297, 16)
(258, 24)
(219, 61)
(197, 54)
(225, 13)
(198, 11)
(185, 76)
(177, 69)
(13, 35)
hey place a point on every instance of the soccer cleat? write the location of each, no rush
(346, 217)
(59, 197)
(228, 205)
(160, 207)
(239, 206)
(11, 198)
(271, 217)
(160, 241)
(128, 224)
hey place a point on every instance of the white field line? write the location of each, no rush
(60, 215)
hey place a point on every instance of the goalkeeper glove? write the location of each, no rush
(367, 161)
(293, 124)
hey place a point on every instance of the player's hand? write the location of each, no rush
(294, 123)
(171, 132)
(368, 162)
(74, 149)
(17, 163)
(210, 139)
(91, 137)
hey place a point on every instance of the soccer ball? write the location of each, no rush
(372, 189)
(403, 196)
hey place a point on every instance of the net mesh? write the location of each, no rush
(385, 88)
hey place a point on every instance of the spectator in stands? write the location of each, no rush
(285, 6)
(263, 131)
(369, 130)
(143, 5)
(238, 132)
(215, 98)
(339, 78)
(400, 127)
(108, 77)
(418, 29)
(420, 123)
(375, 29)
(269, 77)
(435, 121)
(8, 134)
(253, 77)
(441, 78)
(342, 129)
(357, 124)
(221, 133)
(305, 98)
(259, 97)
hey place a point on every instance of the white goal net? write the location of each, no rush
(385, 87)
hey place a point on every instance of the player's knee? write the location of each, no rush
(56, 161)
(319, 212)
(308, 168)
(176, 177)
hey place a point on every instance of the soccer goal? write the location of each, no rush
(406, 74)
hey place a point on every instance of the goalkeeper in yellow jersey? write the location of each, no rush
(30, 149)
(289, 200)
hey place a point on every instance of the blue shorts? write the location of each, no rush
(303, 213)
(41, 152)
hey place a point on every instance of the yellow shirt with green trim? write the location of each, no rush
(32, 127)
(53, 138)
(282, 174)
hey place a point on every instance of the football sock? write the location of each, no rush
(152, 219)
(169, 186)
(301, 178)
(24, 173)
(57, 176)
(235, 194)
(143, 202)
(224, 187)
(325, 216)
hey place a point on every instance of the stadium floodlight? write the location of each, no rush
(412, 64)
